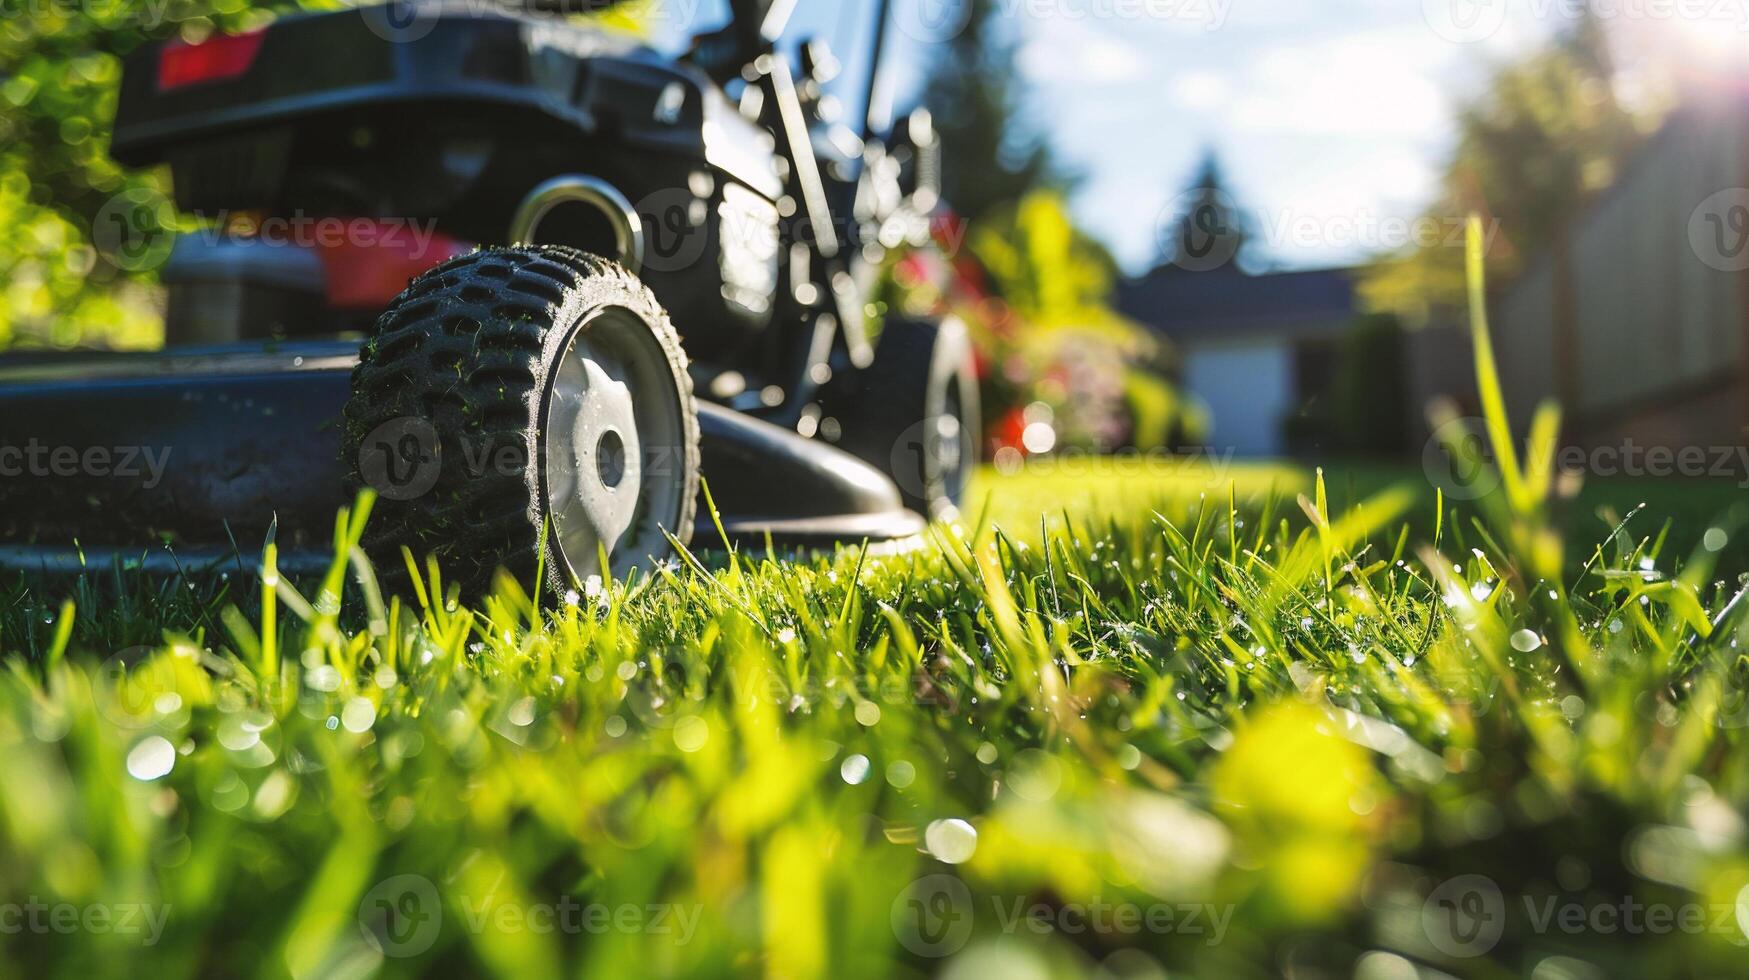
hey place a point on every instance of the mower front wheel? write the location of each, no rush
(525, 408)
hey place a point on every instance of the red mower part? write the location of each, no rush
(218, 58)
(377, 259)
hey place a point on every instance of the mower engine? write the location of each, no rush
(322, 185)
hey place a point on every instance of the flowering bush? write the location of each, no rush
(1058, 368)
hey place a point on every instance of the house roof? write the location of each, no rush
(1229, 302)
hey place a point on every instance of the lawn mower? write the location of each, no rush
(628, 271)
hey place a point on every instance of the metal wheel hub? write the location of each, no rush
(613, 431)
(604, 443)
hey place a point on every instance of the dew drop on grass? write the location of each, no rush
(152, 758)
(951, 841)
(1715, 539)
(1035, 776)
(323, 678)
(854, 769)
(868, 714)
(229, 794)
(522, 712)
(987, 753)
(236, 734)
(358, 715)
(1526, 641)
(690, 733)
(1128, 756)
(901, 774)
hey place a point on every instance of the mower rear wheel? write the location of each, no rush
(913, 413)
(520, 408)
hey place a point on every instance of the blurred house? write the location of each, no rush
(1638, 319)
(1258, 350)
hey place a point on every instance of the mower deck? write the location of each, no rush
(107, 456)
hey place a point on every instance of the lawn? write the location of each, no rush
(1128, 721)
(1133, 718)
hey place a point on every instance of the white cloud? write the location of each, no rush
(1199, 91)
(1373, 83)
(1069, 52)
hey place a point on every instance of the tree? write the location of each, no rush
(1548, 133)
(1210, 231)
(990, 156)
(60, 64)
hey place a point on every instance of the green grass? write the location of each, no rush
(1128, 720)
(1139, 700)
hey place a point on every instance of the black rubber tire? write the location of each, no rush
(456, 373)
(883, 410)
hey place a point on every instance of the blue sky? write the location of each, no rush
(1331, 117)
